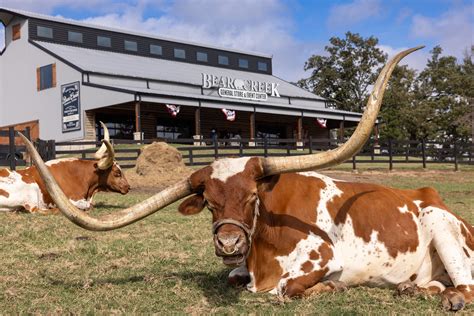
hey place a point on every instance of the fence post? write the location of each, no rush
(354, 166)
(241, 148)
(407, 150)
(11, 138)
(191, 161)
(423, 154)
(390, 155)
(455, 152)
(311, 144)
(216, 148)
(265, 146)
(52, 149)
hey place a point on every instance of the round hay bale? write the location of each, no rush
(159, 165)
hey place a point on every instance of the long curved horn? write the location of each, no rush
(111, 221)
(276, 165)
(103, 149)
(107, 159)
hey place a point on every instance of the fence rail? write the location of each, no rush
(202, 152)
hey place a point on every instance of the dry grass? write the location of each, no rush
(166, 263)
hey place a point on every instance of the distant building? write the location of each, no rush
(62, 77)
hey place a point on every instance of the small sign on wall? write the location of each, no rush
(71, 108)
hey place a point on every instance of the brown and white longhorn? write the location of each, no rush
(24, 190)
(293, 232)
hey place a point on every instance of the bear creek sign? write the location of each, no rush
(240, 88)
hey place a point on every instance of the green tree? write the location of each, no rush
(347, 72)
(396, 120)
(444, 88)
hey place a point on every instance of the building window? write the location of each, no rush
(43, 31)
(74, 37)
(200, 56)
(223, 60)
(46, 77)
(156, 49)
(16, 32)
(179, 53)
(173, 130)
(262, 66)
(104, 41)
(131, 46)
(243, 63)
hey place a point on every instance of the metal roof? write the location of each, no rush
(117, 64)
(123, 31)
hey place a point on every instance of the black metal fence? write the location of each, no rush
(202, 152)
(12, 155)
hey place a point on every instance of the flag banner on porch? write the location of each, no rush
(229, 114)
(322, 122)
(173, 109)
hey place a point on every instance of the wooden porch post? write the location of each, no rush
(197, 121)
(341, 129)
(299, 133)
(252, 128)
(138, 121)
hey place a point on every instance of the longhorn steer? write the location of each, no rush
(79, 179)
(300, 233)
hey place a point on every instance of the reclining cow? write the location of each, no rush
(23, 190)
(294, 233)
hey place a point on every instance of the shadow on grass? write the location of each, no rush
(213, 285)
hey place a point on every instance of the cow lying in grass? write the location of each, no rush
(295, 233)
(23, 190)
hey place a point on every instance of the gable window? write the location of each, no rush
(262, 66)
(179, 53)
(74, 37)
(223, 60)
(16, 32)
(156, 49)
(243, 63)
(104, 41)
(43, 31)
(130, 45)
(200, 56)
(46, 77)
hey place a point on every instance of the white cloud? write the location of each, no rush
(266, 29)
(48, 6)
(453, 30)
(344, 15)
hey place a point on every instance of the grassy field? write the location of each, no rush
(166, 263)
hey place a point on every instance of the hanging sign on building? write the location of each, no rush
(229, 114)
(243, 89)
(173, 109)
(71, 108)
(322, 122)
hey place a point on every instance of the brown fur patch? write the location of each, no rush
(4, 193)
(307, 267)
(313, 255)
(365, 204)
(4, 172)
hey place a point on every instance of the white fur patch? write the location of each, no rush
(56, 161)
(82, 204)
(226, 168)
(21, 194)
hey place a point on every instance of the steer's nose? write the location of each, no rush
(228, 243)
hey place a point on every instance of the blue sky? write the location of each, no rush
(290, 30)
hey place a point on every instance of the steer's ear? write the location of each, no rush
(192, 205)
